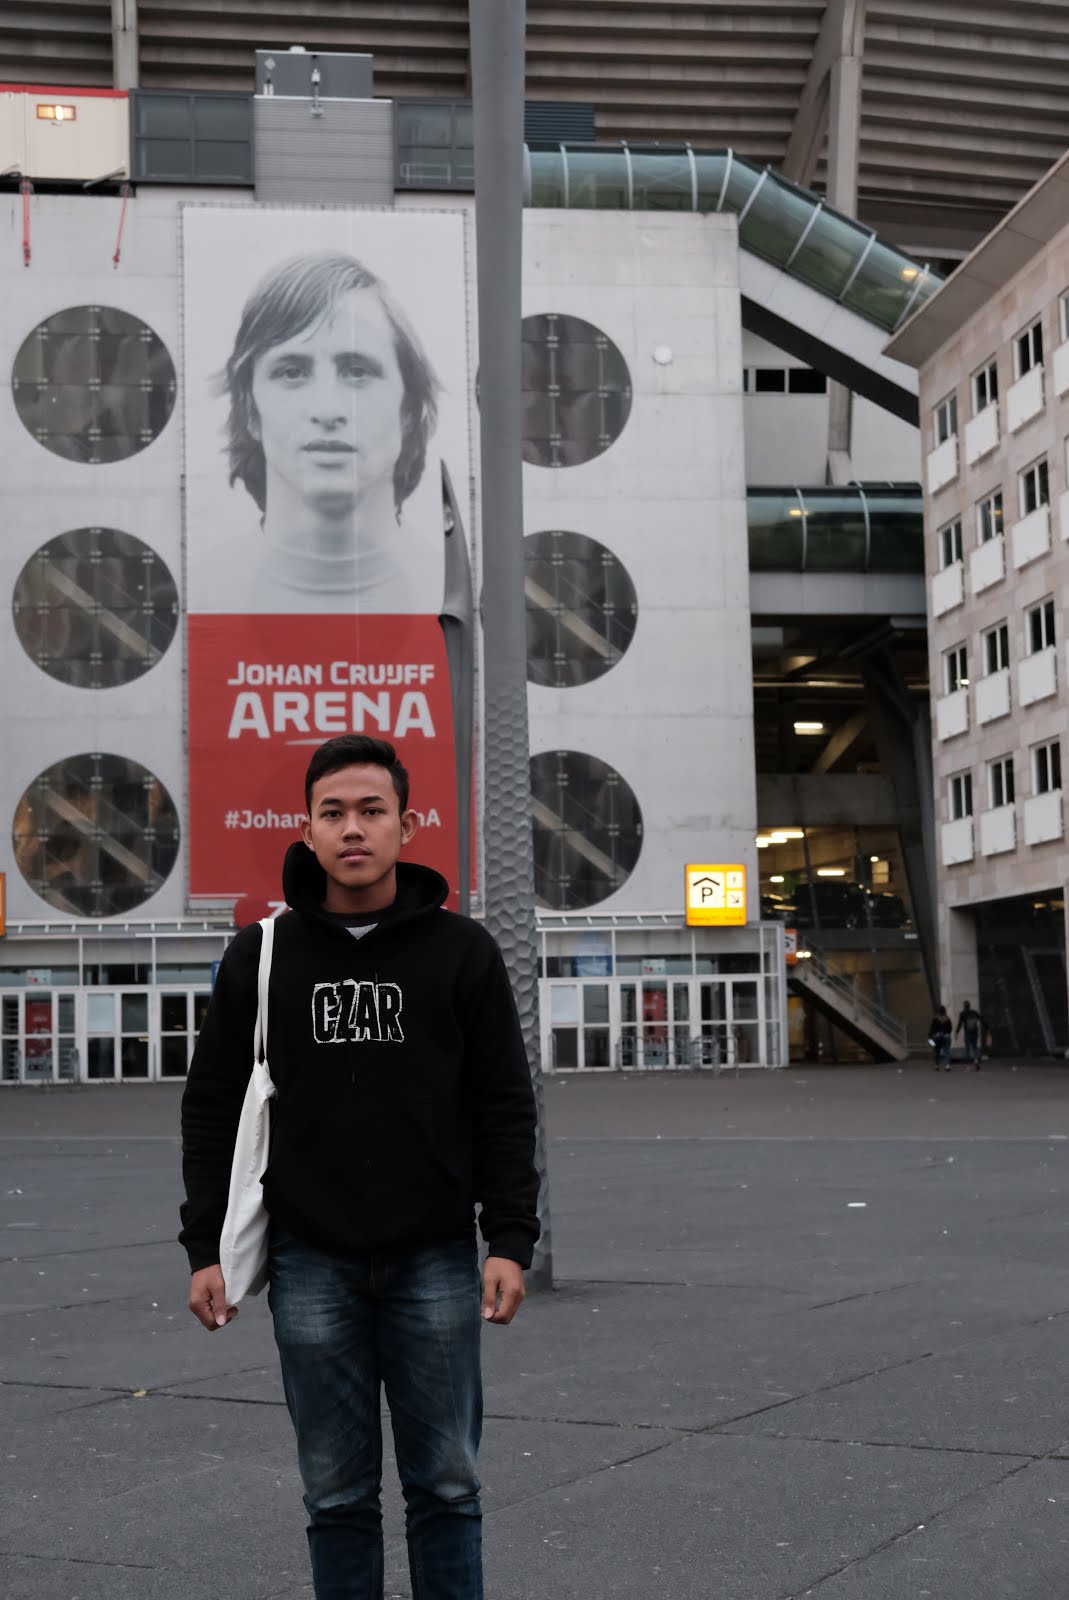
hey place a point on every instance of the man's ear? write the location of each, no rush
(409, 824)
(306, 832)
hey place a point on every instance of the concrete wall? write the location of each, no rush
(675, 715)
(73, 240)
(787, 434)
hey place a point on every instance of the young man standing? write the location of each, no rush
(403, 1098)
(972, 1026)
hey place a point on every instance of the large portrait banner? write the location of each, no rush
(327, 376)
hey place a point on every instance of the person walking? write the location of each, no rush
(403, 1099)
(972, 1027)
(940, 1037)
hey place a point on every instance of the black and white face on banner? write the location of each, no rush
(327, 379)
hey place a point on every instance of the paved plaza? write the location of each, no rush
(810, 1337)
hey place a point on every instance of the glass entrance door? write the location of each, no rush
(117, 1034)
(655, 1023)
(39, 1036)
(175, 1032)
(580, 1027)
(99, 1035)
(729, 1025)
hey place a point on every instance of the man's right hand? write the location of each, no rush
(207, 1299)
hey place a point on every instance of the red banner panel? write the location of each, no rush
(265, 692)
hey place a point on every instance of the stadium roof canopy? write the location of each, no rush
(963, 103)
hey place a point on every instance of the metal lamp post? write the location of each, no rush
(497, 29)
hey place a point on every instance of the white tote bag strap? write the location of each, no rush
(263, 984)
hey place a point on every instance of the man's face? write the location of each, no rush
(328, 404)
(356, 829)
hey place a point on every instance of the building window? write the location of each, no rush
(95, 608)
(946, 419)
(1034, 487)
(1000, 782)
(96, 835)
(180, 137)
(956, 669)
(1040, 626)
(435, 145)
(1047, 766)
(576, 391)
(989, 517)
(783, 380)
(960, 788)
(997, 648)
(581, 608)
(1028, 349)
(587, 829)
(1063, 316)
(985, 387)
(93, 384)
(950, 543)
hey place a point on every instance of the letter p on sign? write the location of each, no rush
(716, 894)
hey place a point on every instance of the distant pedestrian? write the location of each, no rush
(940, 1037)
(972, 1028)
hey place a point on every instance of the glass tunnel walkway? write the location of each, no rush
(788, 226)
(872, 527)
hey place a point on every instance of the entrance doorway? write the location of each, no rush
(653, 1023)
(95, 1035)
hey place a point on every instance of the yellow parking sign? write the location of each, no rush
(716, 895)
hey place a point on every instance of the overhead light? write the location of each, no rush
(777, 879)
(778, 838)
(762, 841)
(809, 727)
(803, 955)
(53, 113)
(831, 872)
(909, 273)
(790, 833)
(875, 860)
(795, 511)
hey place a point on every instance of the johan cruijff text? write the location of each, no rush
(384, 704)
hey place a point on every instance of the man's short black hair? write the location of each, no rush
(356, 750)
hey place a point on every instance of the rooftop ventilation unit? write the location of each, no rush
(313, 74)
(64, 135)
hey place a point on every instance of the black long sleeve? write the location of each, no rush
(211, 1104)
(503, 1117)
(403, 1096)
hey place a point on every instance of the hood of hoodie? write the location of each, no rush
(304, 885)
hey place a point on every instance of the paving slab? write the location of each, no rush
(730, 1518)
(131, 1344)
(1008, 1542)
(80, 1460)
(231, 1525)
(1005, 1393)
(150, 1272)
(685, 1357)
(19, 1401)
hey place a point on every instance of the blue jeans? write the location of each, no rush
(409, 1320)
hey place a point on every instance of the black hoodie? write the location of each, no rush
(403, 1091)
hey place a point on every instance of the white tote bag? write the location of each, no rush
(243, 1243)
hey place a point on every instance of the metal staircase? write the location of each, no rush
(836, 995)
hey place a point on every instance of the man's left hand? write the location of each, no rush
(503, 1289)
